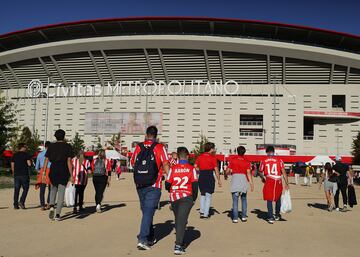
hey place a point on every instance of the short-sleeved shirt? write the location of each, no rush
(272, 168)
(21, 167)
(206, 161)
(239, 165)
(160, 156)
(342, 169)
(181, 177)
(58, 153)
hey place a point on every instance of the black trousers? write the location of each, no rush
(42, 195)
(100, 183)
(79, 195)
(342, 187)
(24, 183)
(181, 209)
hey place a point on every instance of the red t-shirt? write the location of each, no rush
(206, 161)
(160, 156)
(272, 167)
(239, 165)
(181, 177)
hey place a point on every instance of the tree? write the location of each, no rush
(7, 122)
(77, 144)
(115, 141)
(98, 145)
(356, 150)
(31, 140)
(199, 147)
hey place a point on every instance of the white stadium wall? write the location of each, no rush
(317, 90)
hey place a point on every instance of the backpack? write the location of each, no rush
(99, 168)
(146, 170)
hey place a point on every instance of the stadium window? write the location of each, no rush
(339, 101)
(251, 120)
(308, 129)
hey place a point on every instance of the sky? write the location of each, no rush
(341, 15)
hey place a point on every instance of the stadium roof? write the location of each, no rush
(182, 26)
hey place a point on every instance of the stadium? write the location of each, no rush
(234, 81)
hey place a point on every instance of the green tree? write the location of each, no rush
(356, 150)
(98, 145)
(31, 140)
(77, 144)
(7, 122)
(115, 141)
(199, 147)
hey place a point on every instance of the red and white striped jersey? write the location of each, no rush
(80, 171)
(173, 161)
(272, 167)
(181, 177)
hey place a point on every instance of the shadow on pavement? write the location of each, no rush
(162, 230)
(320, 206)
(91, 210)
(191, 235)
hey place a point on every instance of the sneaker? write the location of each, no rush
(52, 213)
(98, 208)
(22, 206)
(143, 246)
(179, 250)
(42, 208)
(271, 221)
(16, 208)
(57, 217)
(75, 211)
(203, 217)
(244, 219)
(277, 217)
(337, 209)
(152, 242)
(235, 221)
(344, 208)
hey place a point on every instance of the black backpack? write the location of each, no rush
(146, 170)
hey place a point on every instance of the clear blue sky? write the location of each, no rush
(341, 15)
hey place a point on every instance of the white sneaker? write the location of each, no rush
(143, 246)
(235, 221)
(243, 219)
(337, 209)
(98, 208)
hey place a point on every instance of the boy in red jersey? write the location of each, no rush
(183, 187)
(271, 170)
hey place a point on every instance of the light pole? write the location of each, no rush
(47, 107)
(274, 113)
(103, 129)
(337, 130)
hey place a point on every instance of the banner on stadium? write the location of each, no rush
(121, 122)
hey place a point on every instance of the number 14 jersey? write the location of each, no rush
(181, 177)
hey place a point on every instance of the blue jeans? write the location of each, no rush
(205, 203)
(235, 197)
(270, 208)
(149, 199)
(24, 182)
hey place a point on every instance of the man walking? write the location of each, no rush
(20, 164)
(271, 169)
(342, 171)
(150, 161)
(43, 177)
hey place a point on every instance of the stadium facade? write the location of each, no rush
(224, 78)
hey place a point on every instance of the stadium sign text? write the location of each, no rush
(133, 88)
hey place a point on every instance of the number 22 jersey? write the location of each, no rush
(181, 177)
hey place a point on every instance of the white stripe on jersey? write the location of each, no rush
(169, 175)
(195, 174)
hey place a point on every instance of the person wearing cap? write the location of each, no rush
(43, 177)
(59, 154)
(342, 171)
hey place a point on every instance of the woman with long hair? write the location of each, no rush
(81, 168)
(101, 177)
(329, 177)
